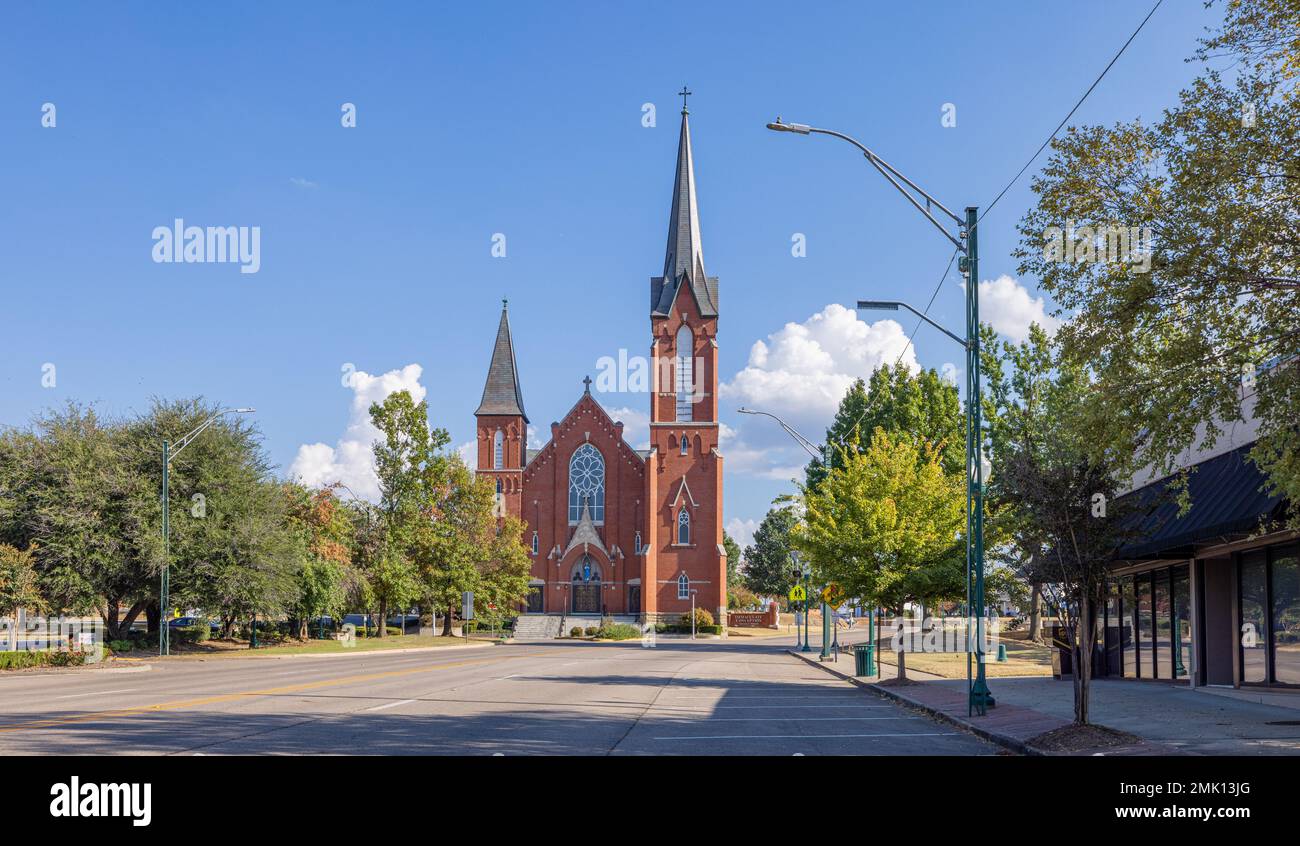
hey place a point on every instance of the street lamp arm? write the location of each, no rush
(893, 305)
(809, 446)
(886, 170)
(198, 430)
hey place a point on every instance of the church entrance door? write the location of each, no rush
(586, 598)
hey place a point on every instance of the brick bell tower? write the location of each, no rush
(685, 555)
(502, 425)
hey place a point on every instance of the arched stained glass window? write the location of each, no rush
(683, 526)
(498, 450)
(683, 587)
(587, 483)
(685, 372)
(535, 543)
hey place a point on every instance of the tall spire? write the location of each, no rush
(501, 394)
(684, 256)
(685, 253)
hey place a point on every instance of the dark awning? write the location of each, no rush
(1227, 497)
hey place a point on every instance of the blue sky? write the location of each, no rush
(526, 120)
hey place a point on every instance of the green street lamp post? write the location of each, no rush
(979, 699)
(164, 628)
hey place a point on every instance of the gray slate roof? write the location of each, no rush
(501, 394)
(684, 256)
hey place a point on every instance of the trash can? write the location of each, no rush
(1062, 654)
(864, 658)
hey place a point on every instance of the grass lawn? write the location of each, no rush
(239, 648)
(1024, 658)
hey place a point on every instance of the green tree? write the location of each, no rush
(69, 486)
(897, 400)
(735, 574)
(1184, 337)
(768, 566)
(234, 552)
(1056, 487)
(881, 525)
(19, 587)
(412, 472)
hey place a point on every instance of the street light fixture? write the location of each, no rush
(164, 628)
(979, 699)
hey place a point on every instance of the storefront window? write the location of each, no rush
(1286, 615)
(1128, 627)
(1112, 637)
(1182, 622)
(1145, 622)
(1254, 626)
(1163, 626)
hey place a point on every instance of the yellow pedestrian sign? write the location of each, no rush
(798, 594)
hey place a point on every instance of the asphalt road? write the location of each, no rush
(579, 698)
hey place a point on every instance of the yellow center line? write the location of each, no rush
(233, 697)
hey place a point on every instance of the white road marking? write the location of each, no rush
(391, 705)
(775, 719)
(97, 693)
(805, 736)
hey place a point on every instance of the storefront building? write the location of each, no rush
(1210, 597)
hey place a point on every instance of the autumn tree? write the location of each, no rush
(882, 522)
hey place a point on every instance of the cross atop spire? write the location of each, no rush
(684, 94)
(586, 384)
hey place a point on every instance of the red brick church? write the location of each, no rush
(612, 529)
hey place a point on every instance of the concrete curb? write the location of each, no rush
(1006, 741)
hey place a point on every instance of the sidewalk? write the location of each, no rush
(1172, 720)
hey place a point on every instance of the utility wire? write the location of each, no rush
(1095, 82)
(1016, 179)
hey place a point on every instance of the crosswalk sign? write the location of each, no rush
(798, 594)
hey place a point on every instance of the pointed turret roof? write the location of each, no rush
(684, 256)
(501, 394)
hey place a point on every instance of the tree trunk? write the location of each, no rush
(381, 625)
(110, 620)
(124, 625)
(902, 654)
(1036, 612)
(153, 615)
(1083, 660)
(446, 621)
(227, 627)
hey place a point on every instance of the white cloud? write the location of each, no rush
(1007, 306)
(351, 460)
(802, 371)
(468, 453)
(742, 531)
(950, 373)
(299, 182)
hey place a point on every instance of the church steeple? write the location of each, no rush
(501, 394)
(684, 256)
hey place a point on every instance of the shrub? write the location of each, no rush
(22, 659)
(576, 631)
(121, 645)
(591, 630)
(193, 634)
(710, 630)
(618, 631)
(702, 618)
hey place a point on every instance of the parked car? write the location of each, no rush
(186, 622)
(405, 622)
